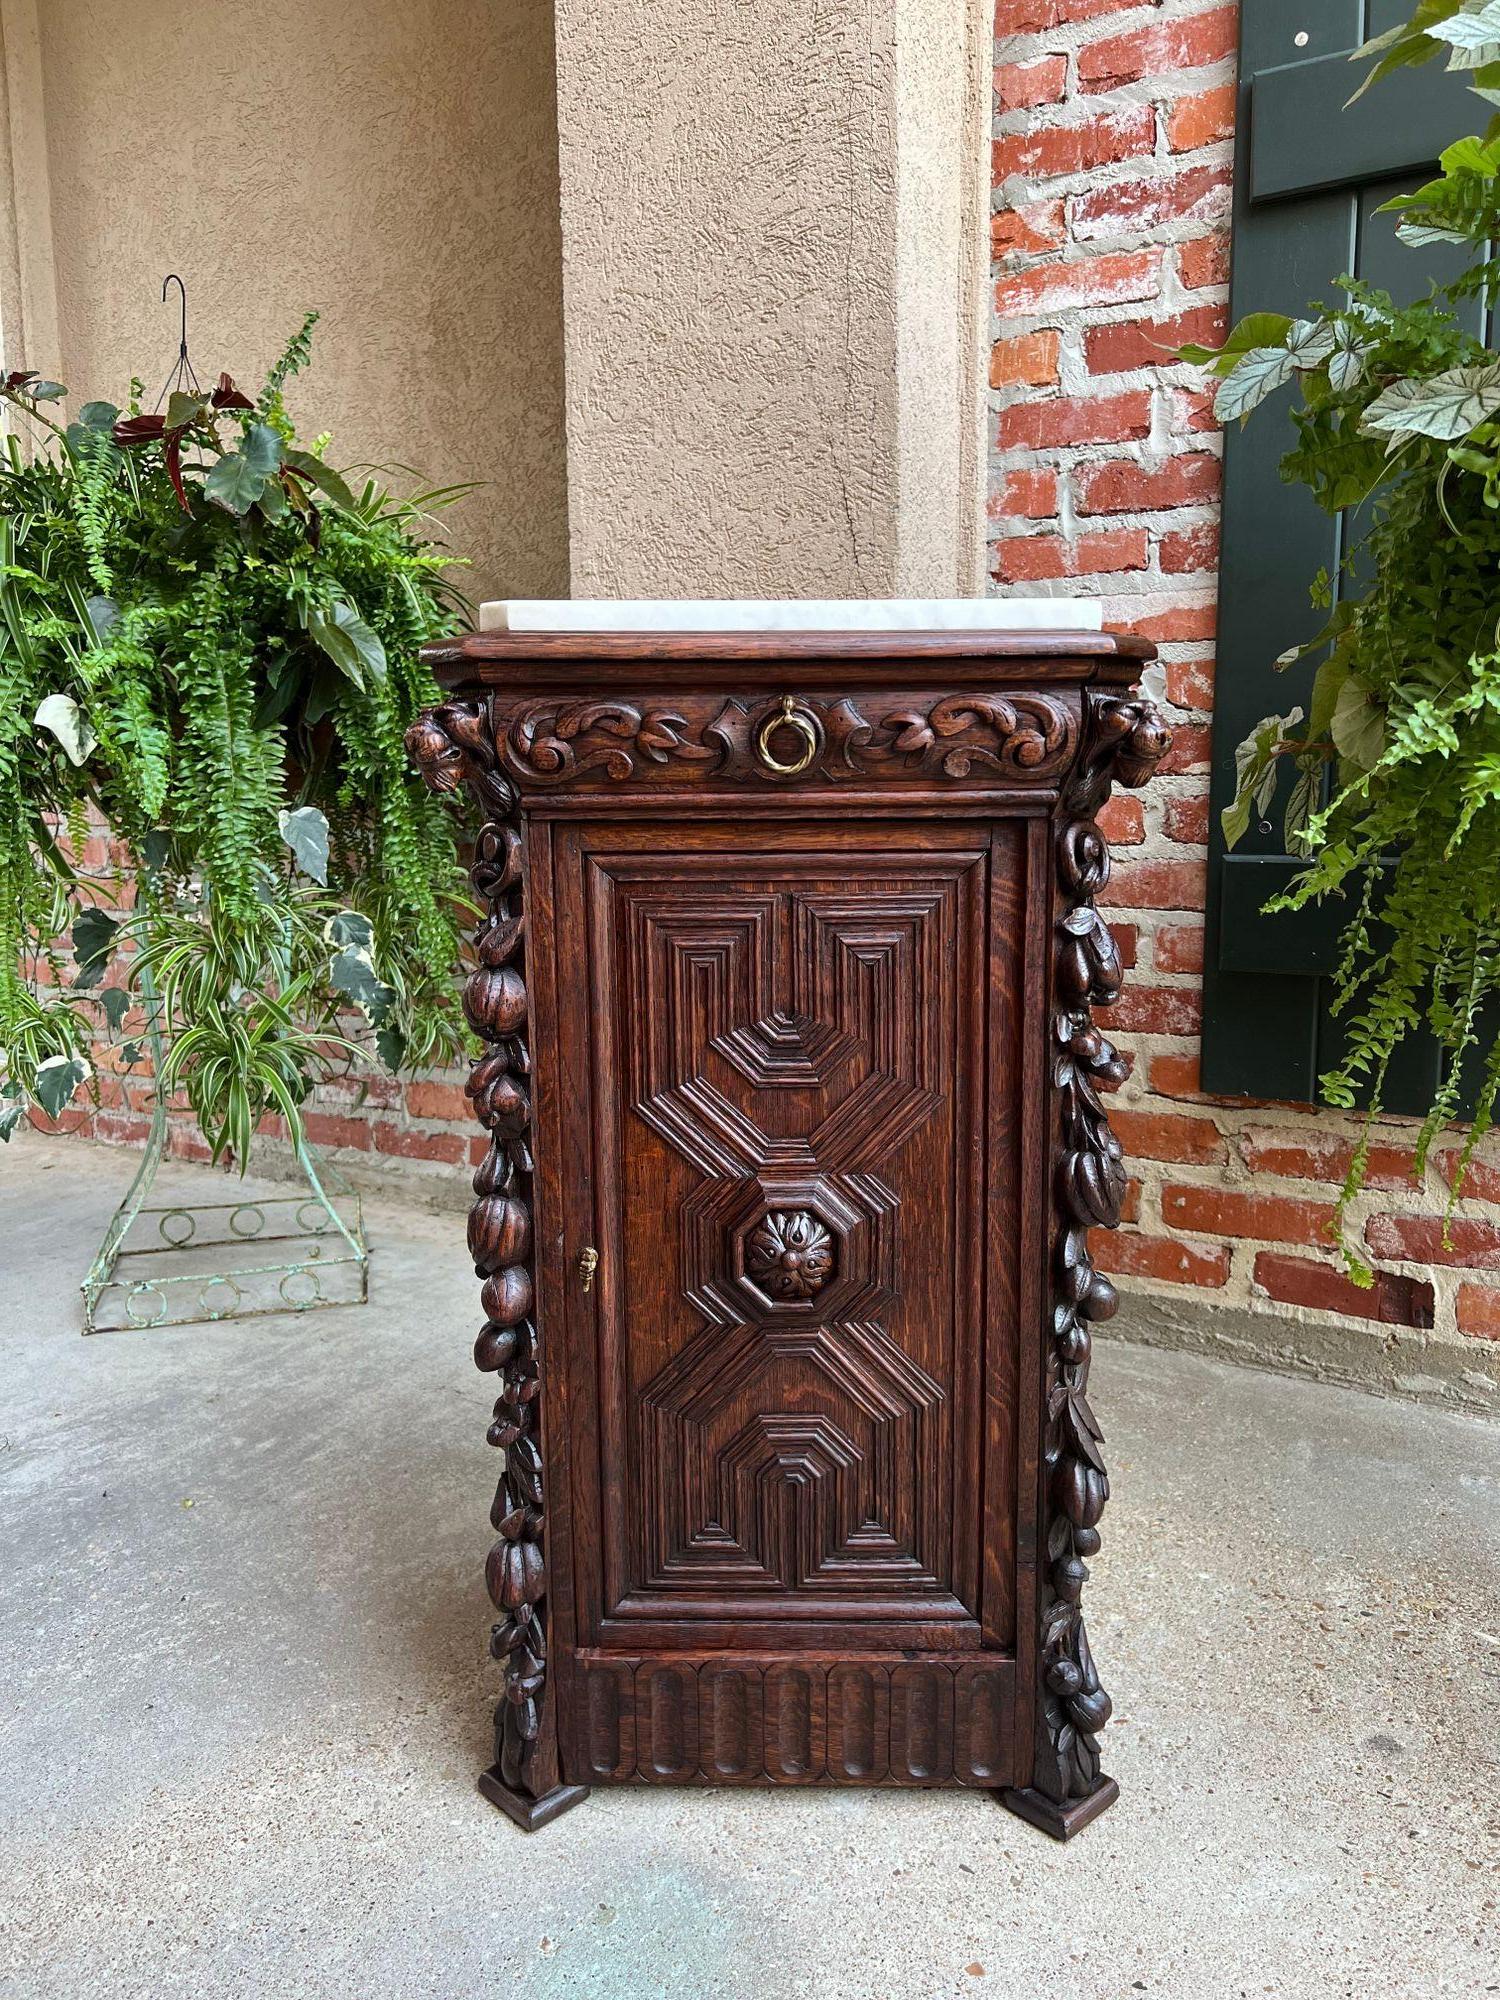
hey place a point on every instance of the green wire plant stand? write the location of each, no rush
(323, 1215)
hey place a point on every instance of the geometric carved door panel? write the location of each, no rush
(794, 1184)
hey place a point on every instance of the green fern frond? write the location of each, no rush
(202, 692)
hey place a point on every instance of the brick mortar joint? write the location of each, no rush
(1082, 107)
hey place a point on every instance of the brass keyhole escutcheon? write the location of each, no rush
(789, 716)
(588, 1264)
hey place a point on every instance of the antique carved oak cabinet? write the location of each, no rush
(795, 1141)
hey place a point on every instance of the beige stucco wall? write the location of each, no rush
(769, 219)
(773, 220)
(391, 163)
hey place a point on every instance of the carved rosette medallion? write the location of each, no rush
(790, 1255)
(1019, 738)
(1126, 739)
(452, 746)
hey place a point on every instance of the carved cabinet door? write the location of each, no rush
(795, 1141)
(790, 1122)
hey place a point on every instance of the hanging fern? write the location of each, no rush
(210, 643)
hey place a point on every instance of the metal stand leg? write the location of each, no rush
(311, 1216)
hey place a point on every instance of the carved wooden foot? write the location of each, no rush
(527, 1812)
(1061, 1821)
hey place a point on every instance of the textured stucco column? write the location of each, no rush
(773, 256)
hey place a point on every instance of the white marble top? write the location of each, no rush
(792, 614)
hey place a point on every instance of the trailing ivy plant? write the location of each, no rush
(1395, 798)
(209, 641)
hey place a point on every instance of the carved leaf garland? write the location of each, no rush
(452, 745)
(1127, 739)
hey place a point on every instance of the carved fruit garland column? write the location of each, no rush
(451, 745)
(1125, 739)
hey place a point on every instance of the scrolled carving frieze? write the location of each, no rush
(554, 743)
(1126, 738)
(1013, 734)
(1020, 738)
(453, 745)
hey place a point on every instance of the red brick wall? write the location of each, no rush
(422, 1127)
(1113, 147)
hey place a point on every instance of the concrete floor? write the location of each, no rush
(245, 1696)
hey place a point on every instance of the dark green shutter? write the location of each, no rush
(1309, 176)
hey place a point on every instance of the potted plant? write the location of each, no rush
(1395, 802)
(209, 645)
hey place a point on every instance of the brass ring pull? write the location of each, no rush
(788, 716)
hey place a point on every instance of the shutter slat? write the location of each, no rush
(1305, 136)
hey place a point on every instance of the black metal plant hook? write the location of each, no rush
(182, 376)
